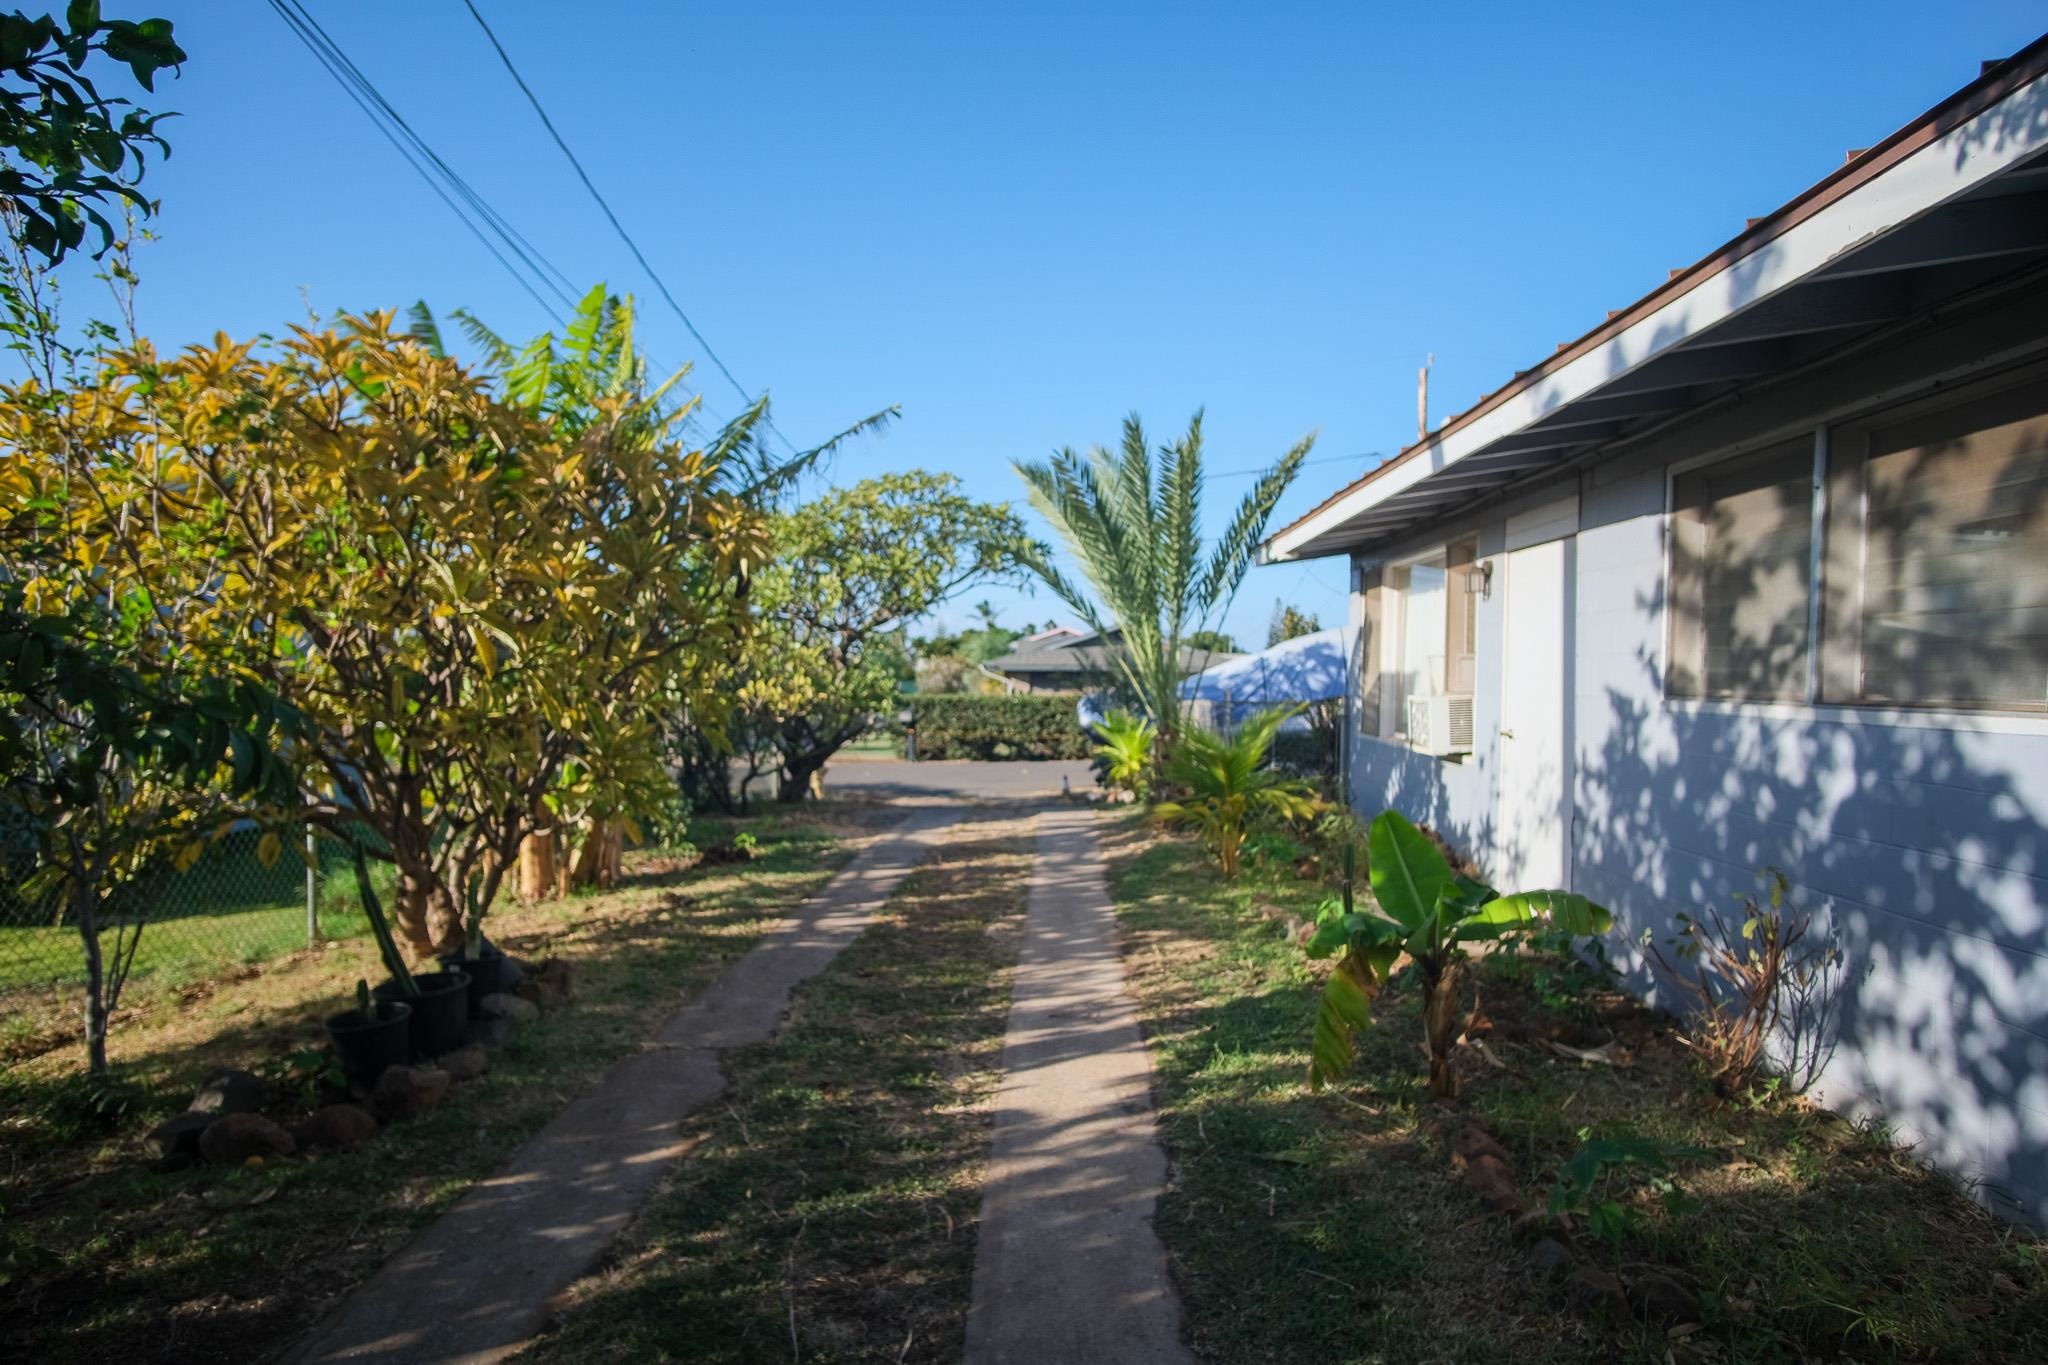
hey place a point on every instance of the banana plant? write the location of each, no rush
(1427, 912)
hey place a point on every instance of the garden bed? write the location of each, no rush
(102, 1258)
(827, 1211)
(1341, 1226)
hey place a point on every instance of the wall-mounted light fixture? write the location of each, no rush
(1479, 579)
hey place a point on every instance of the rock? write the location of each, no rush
(1489, 1179)
(552, 983)
(178, 1136)
(230, 1092)
(235, 1138)
(1472, 1141)
(516, 1008)
(465, 1063)
(1550, 1257)
(1592, 1287)
(514, 971)
(336, 1127)
(1538, 1224)
(1661, 1300)
(490, 1033)
(405, 1092)
(174, 1162)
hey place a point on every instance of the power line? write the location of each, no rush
(613, 218)
(480, 217)
(1305, 464)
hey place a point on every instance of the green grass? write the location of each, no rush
(1332, 1228)
(105, 1260)
(228, 911)
(827, 1214)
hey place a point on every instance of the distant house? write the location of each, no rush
(1067, 660)
(1755, 573)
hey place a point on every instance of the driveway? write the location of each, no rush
(1011, 781)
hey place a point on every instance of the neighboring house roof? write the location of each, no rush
(1307, 668)
(1951, 202)
(1056, 638)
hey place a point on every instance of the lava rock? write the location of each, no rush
(178, 1136)
(1538, 1224)
(1661, 1300)
(552, 983)
(234, 1138)
(1550, 1257)
(465, 1063)
(1592, 1287)
(336, 1127)
(1472, 1141)
(230, 1092)
(1489, 1179)
(516, 1008)
(404, 1092)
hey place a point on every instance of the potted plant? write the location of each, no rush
(438, 1002)
(374, 1035)
(489, 970)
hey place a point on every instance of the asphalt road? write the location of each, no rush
(894, 777)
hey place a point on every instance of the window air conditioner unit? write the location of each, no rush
(1441, 724)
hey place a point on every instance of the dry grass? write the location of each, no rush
(105, 1260)
(1333, 1228)
(827, 1213)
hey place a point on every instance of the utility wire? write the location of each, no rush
(610, 216)
(1305, 464)
(446, 183)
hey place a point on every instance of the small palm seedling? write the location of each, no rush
(1126, 752)
(1228, 786)
(1429, 913)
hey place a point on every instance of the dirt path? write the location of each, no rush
(478, 1283)
(1069, 1269)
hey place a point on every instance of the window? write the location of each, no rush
(1742, 575)
(1937, 553)
(1933, 564)
(1428, 659)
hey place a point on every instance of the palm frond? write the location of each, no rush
(1233, 553)
(424, 329)
(498, 352)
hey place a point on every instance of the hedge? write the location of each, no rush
(1025, 725)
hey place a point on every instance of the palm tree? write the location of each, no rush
(1230, 785)
(1138, 542)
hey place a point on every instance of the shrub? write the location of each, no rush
(1229, 786)
(1746, 979)
(1033, 725)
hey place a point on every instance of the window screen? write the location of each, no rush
(1742, 575)
(1938, 554)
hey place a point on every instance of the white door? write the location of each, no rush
(1532, 819)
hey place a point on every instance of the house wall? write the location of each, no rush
(1920, 839)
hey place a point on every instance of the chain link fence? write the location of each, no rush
(226, 911)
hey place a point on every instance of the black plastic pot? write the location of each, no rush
(490, 972)
(440, 1012)
(365, 1047)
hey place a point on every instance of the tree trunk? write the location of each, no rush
(426, 914)
(537, 865)
(795, 780)
(1441, 1024)
(85, 910)
(600, 856)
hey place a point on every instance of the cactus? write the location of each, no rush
(365, 1007)
(387, 947)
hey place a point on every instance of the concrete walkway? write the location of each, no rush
(479, 1282)
(1069, 1270)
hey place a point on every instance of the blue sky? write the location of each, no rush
(1022, 222)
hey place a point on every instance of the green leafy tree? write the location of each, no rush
(1228, 786)
(1212, 642)
(1428, 912)
(68, 153)
(1290, 623)
(848, 569)
(1136, 536)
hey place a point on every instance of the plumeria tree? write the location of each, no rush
(455, 591)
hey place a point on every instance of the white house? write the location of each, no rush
(1756, 573)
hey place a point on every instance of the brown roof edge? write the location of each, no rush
(1998, 80)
